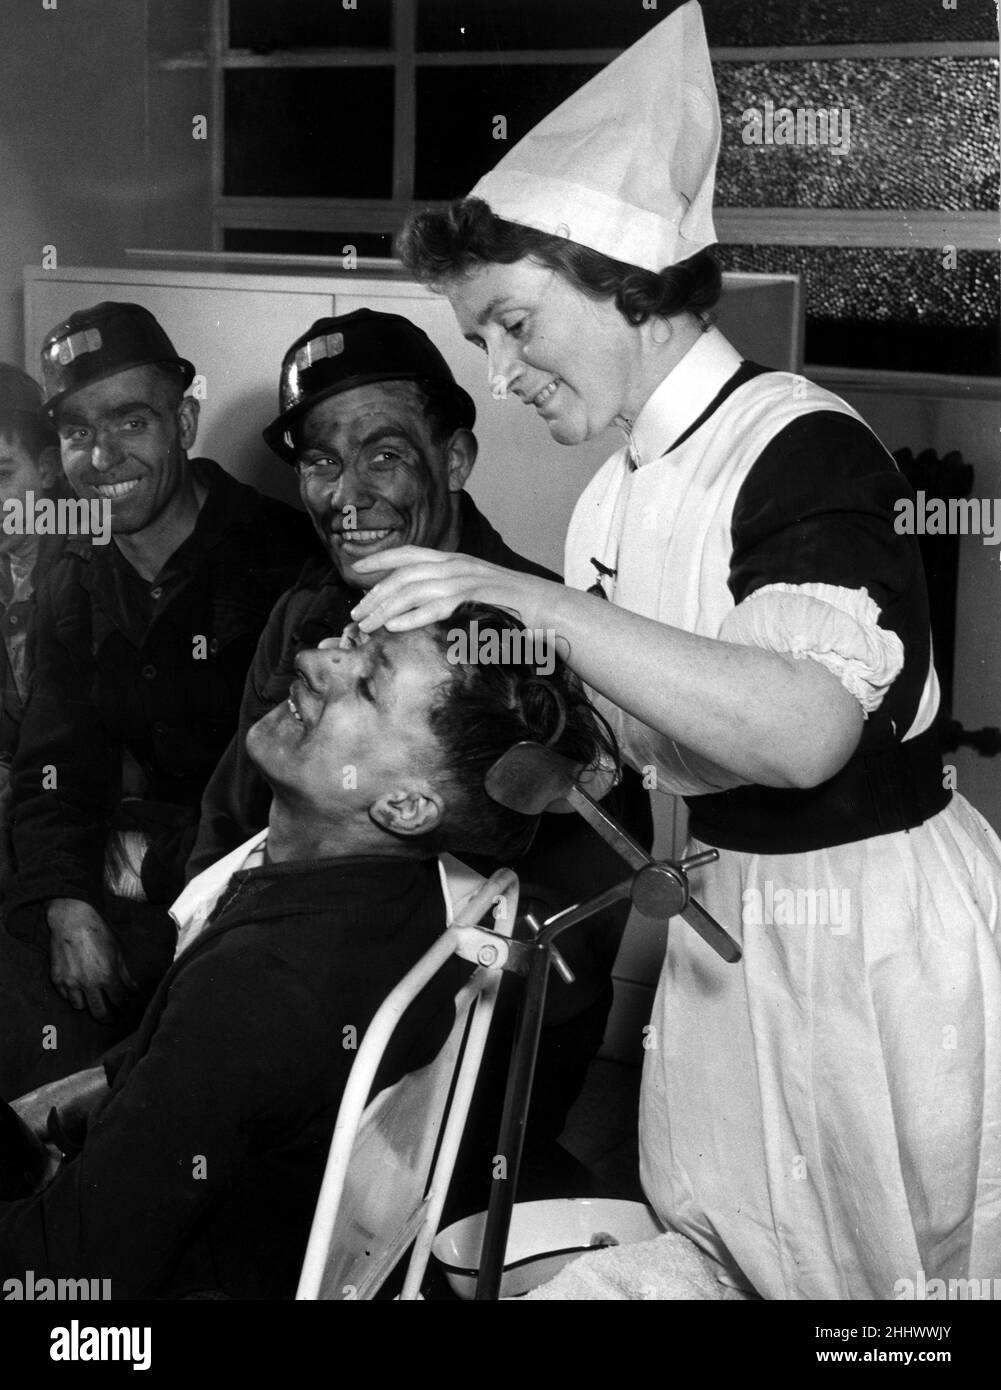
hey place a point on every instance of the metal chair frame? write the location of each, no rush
(330, 1269)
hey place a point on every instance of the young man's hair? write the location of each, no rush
(489, 706)
(442, 244)
(32, 432)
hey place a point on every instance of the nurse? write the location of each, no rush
(824, 1118)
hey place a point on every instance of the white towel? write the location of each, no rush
(667, 1268)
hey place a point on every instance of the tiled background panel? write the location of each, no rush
(919, 133)
(892, 309)
(772, 23)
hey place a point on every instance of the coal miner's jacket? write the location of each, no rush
(17, 614)
(154, 670)
(201, 1171)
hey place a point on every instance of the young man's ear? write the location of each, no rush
(49, 465)
(462, 450)
(408, 812)
(187, 419)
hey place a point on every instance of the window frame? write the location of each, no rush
(967, 231)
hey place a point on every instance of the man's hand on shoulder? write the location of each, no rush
(86, 964)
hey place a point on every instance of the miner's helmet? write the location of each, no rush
(96, 343)
(338, 354)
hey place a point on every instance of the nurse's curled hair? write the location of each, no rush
(442, 244)
(509, 686)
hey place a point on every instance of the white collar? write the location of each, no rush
(197, 902)
(683, 395)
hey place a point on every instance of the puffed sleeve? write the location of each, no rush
(819, 569)
(839, 628)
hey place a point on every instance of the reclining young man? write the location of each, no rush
(205, 1144)
(381, 438)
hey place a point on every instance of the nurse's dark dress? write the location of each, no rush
(825, 1117)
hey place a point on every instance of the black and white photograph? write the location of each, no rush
(453, 851)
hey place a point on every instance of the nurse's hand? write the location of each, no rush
(424, 586)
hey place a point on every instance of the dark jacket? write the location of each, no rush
(202, 1169)
(17, 620)
(16, 623)
(156, 671)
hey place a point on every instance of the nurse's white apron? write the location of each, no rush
(825, 1117)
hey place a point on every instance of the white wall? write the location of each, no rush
(85, 145)
(968, 420)
(71, 139)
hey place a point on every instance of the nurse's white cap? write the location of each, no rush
(625, 165)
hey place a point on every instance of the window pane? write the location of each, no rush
(899, 310)
(458, 111)
(458, 25)
(266, 25)
(282, 242)
(298, 133)
(906, 133)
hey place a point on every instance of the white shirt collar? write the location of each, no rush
(196, 903)
(683, 395)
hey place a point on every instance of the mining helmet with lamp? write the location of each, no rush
(338, 354)
(96, 343)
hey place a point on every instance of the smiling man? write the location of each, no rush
(142, 647)
(200, 1166)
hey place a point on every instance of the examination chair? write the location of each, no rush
(391, 1157)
